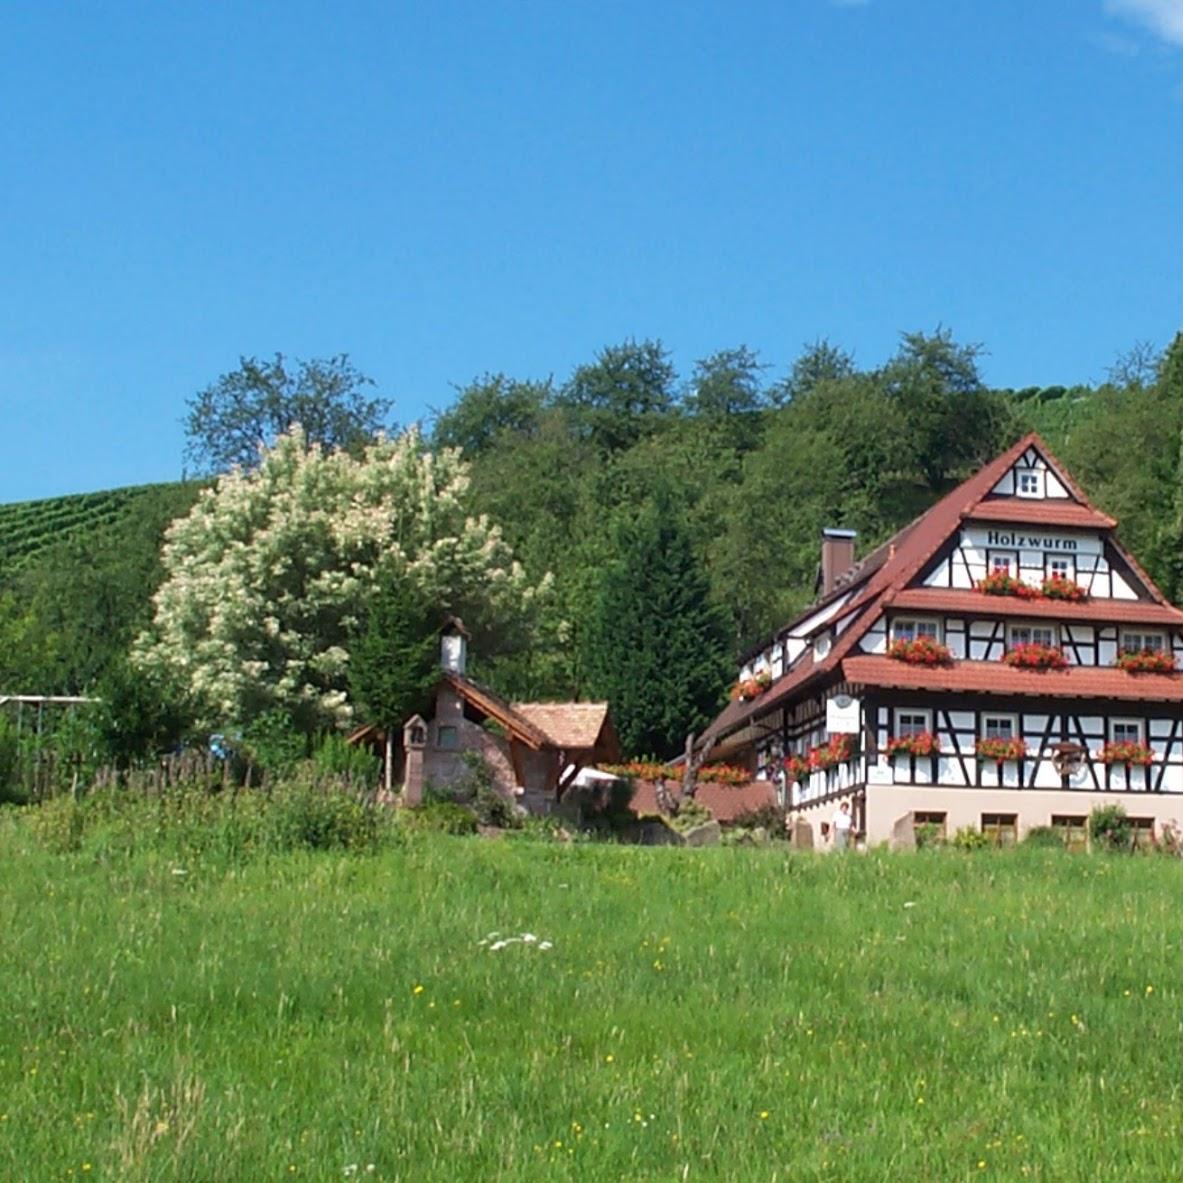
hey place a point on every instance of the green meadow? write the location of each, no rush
(740, 1014)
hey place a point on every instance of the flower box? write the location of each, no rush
(839, 749)
(749, 688)
(921, 651)
(651, 770)
(1060, 587)
(1126, 753)
(923, 743)
(1002, 583)
(797, 767)
(1146, 661)
(1000, 750)
(1034, 656)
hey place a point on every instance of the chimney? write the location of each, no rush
(837, 556)
(454, 645)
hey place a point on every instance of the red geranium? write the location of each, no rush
(923, 743)
(921, 651)
(838, 750)
(797, 767)
(1146, 661)
(1126, 753)
(748, 688)
(1003, 583)
(1060, 587)
(1033, 656)
(1001, 749)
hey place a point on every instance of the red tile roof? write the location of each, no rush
(726, 802)
(972, 603)
(1046, 512)
(994, 677)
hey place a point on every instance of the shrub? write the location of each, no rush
(769, 817)
(1044, 838)
(928, 836)
(438, 817)
(351, 762)
(1109, 828)
(967, 838)
(689, 816)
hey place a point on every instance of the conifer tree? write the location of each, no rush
(656, 643)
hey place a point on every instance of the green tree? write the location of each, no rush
(486, 409)
(233, 418)
(394, 659)
(818, 363)
(622, 394)
(952, 423)
(656, 644)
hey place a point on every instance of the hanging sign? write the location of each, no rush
(843, 715)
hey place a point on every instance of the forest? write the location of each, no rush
(678, 516)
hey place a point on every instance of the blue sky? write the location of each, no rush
(446, 189)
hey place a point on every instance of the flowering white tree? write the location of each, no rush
(271, 570)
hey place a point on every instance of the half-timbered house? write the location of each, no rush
(1001, 663)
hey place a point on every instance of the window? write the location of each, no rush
(447, 737)
(1001, 828)
(911, 628)
(1125, 730)
(1030, 484)
(1142, 832)
(1073, 830)
(1000, 726)
(1136, 642)
(1004, 562)
(911, 723)
(1032, 634)
(1060, 567)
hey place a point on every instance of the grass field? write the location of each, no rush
(716, 1014)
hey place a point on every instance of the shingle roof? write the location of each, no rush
(995, 677)
(570, 725)
(896, 564)
(972, 603)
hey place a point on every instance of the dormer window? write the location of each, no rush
(1032, 634)
(912, 628)
(1140, 642)
(1030, 484)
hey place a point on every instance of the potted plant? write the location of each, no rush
(922, 743)
(838, 750)
(1146, 661)
(1060, 587)
(1126, 753)
(1003, 583)
(748, 688)
(797, 767)
(1000, 750)
(922, 651)
(1034, 656)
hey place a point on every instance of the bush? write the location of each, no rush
(928, 836)
(690, 815)
(967, 838)
(768, 817)
(351, 762)
(1110, 829)
(1044, 838)
(438, 817)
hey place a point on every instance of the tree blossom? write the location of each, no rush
(271, 570)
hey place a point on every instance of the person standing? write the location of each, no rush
(841, 824)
